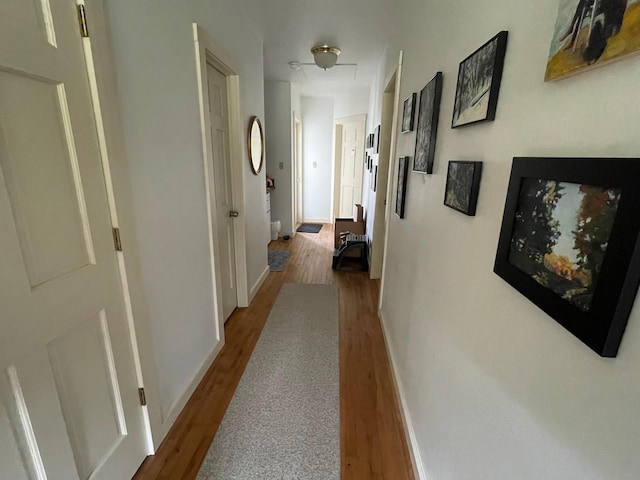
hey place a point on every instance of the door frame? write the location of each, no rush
(388, 137)
(393, 161)
(297, 173)
(209, 52)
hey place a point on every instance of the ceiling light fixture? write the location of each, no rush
(325, 56)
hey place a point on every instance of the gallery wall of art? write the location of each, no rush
(492, 387)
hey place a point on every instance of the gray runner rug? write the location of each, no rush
(283, 422)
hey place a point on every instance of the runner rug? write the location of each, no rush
(284, 419)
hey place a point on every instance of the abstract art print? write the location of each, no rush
(427, 130)
(479, 78)
(401, 188)
(408, 113)
(568, 242)
(590, 33)
(463, 186)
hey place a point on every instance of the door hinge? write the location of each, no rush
(116, 239)
(82, 19)
(143, 398)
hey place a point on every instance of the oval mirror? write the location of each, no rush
(256, 145)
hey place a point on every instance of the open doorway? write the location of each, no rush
(386, 167)
(349, 164)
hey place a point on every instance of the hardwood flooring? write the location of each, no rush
(373, 442)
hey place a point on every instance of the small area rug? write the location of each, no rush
(277, 259)
(309, 228)
(283, 422)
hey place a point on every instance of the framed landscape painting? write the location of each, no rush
(569, 242)
(408, 113)
(427, 130)
(479, 78)
(590, 33)
(463, 186)
(401, 188)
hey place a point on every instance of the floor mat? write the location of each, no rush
(277, 260)
(309, 228)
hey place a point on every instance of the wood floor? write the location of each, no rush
(373, 441)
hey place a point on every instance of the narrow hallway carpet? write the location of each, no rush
(284, 420)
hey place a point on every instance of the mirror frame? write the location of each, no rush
(255, 120)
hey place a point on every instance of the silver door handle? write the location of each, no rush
(233, 214)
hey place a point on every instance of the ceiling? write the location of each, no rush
(289, 28)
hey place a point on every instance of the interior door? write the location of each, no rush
(351, 164)
(225, 247)
(298, 174)
(69, 404)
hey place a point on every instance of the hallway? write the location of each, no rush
(373, 442)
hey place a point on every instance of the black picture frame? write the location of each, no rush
(408, 113)
(376, 145)
(479, 78)
(463, 186)
(596, 310)
(427, 129)
(401, 185)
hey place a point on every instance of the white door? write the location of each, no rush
(298, 174)
(351, 164)
(69, 404)
(225, 248)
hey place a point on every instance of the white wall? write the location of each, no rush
(156, 80)
(494, 388)
(278, 135)
(355, 102)
(317, 121)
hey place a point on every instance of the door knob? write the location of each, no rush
(233, 214)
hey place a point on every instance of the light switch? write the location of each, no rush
(281, 165)
(315, 164)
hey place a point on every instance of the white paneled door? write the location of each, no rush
(69, 406)
(223, 198)
(351, 164)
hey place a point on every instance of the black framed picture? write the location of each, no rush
(427, 130)
(463, 185)
(569, 242)
(376, 145)
(401, 188)
(408, 113)
(479, 78)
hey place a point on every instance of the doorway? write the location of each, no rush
(297, 175)
(223, 211)
(349, 164)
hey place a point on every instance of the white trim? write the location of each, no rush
(179, 403)
(323, 220)
(392, 169)
(414, 450)
(207, 51)
(258, 284)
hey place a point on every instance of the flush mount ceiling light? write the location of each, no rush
(325, 56)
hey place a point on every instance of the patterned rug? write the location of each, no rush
(277, 259)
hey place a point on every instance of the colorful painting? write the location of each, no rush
(479, 78)
(463, 185)
(569, 242)
(401, 189)
(560, 236)
(427, 131)
(590, 33)
(408, 113)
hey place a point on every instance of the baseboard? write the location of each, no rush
(416, 458)
(179, 404)
(322, 220)
(258, 284)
